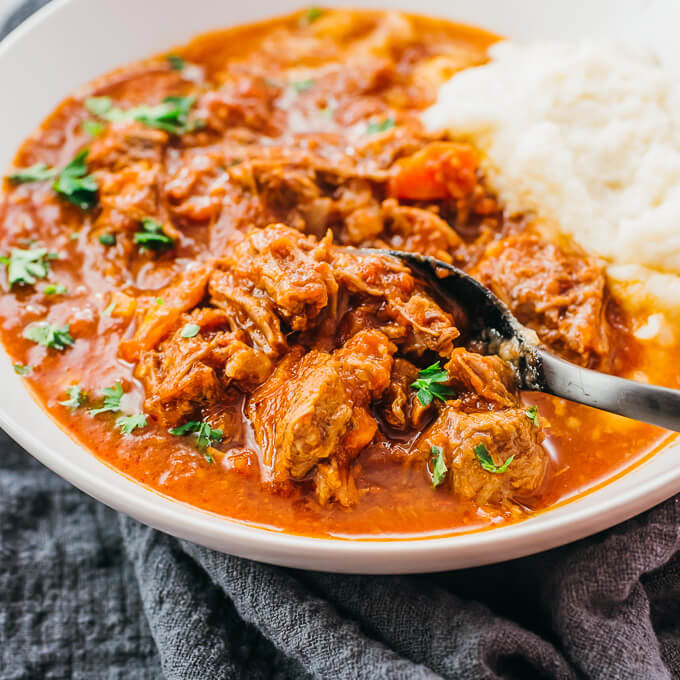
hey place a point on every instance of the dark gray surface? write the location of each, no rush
(88, 593)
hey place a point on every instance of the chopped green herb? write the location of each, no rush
(152, 235)
(486, 461)
(311, 15)
(21, 369)
(374, 127)
(36, 173)
(99, 106)
(73, 236)
(429, 385)
(302, 85)
(76, 397)
(75, 185)
(107, 239)
(206, 435)
(190, 330)
(49, 336)
(94, 128)
(126, 424)
(159, 301)
(532, 415)
(176, 62)
(26, 266)
(171, 115)
(439, 468)
(109, 309)
(55, 289)
(112, 397)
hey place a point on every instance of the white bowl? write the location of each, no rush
(70, 42)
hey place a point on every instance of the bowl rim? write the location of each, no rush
(345, 555)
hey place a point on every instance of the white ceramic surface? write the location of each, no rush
(71, 41)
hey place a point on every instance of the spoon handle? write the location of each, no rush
(649, 403)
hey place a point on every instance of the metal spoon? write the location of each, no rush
(538, 369)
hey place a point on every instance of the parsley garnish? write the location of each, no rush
(21, 369)
(152, 235)
(107, 239)
(429, 384)
(93, 127)
(55, 289)
(171, 115)
(374, 127)
(311, 15)
(25, 266)
(36, 173)
(190, 330)
(126, 424)
(112, 397)
(439, 468)
(99, 106)
(76, 397)
(206, 435)
(109, 309)
(486, 461)
(50, 336)
(532, 415)
(75, 185)
(176, 62)
(302, 85)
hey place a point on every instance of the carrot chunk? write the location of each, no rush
(440, 171)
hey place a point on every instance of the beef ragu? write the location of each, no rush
(187, 288)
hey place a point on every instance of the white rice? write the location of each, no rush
(586, 136)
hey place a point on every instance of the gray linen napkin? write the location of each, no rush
(88, 593)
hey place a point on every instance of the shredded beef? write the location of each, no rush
(560, 295)
(504, 433)
(313, 412)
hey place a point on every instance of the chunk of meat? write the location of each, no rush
(504, 433)
(197, 183)
(313, 412)
(246, 101)
(290, 268)
(558, 294)
(429, 326)
(372, 273)
(418, 231)
(125, 143)
(274, 274)
(441, 170)
(127, 161)
(483, 377)
(400, 406)
(414, 321)
(359, 211)
(127, 196)
(185, 374)
(157, 320)
(248, 312)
